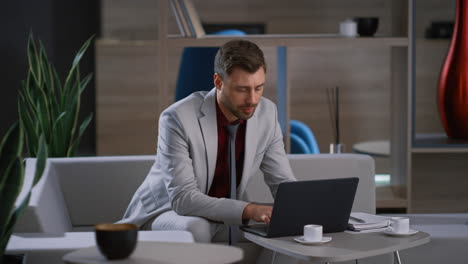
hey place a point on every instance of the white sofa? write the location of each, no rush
(77, 193)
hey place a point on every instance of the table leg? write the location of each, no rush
(397, 257)
(273, 256)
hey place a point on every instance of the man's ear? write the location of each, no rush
(218, 81)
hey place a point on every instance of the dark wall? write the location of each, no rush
(63, 26)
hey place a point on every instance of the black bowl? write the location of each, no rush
(440, 30)
(367, 26)
(116, 241)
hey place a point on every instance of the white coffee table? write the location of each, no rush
(162, 252)
(343, 247)
(41, 242)
(50, 248)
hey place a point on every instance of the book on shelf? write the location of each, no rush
(193, 20)
(364, 222)
(180, 18)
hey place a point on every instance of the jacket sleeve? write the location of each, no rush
(275, 164)
(176, 166)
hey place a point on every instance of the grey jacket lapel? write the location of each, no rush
(208, 124)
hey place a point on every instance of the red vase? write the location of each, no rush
(453, 80)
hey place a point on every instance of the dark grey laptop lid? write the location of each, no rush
(322, 202)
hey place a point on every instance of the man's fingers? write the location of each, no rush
(265, 218)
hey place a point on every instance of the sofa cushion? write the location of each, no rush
(99, 189)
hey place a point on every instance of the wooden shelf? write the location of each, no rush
(438, 143)
(293, 40)
(107, 41)
(272, 41)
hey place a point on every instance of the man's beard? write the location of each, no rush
(237, 112)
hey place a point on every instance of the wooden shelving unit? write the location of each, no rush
(401, 66)
(391, 79)
(438, 168)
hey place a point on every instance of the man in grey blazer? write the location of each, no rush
(186, 189)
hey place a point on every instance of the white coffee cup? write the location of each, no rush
(313, 233)
(348, 28)
(400, 225)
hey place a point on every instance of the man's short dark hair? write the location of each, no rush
(238, 53)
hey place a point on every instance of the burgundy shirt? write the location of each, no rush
(220, 186)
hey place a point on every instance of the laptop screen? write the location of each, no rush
(321, 202)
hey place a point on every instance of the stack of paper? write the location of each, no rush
(362, 222)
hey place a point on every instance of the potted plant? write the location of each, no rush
(11, 180)
(48, 126)
(46, 106)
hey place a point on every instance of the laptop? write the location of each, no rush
(321, 202)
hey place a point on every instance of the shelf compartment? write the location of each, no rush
(438, 143)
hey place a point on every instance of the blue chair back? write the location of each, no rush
(197, 67)
(305, 133)
(196, 71)
(298, 145)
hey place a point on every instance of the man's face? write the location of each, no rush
(239, 93)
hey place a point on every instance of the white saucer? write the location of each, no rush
(302, 241)
(391, 233)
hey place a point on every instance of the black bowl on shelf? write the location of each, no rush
(367, 26)
(440, 30)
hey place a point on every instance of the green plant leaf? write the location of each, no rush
(10, 149)
(76, 142)
(27, 124)
(85, 82)
(41, 160)
(58, 83)
(33, 59)
(60, 133)
(77, 60)
(81, 52)
(11, 224)
(14, 181)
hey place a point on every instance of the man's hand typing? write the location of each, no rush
(258, 213)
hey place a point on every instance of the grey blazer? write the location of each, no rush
(185, 162)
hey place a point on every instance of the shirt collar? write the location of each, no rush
(221, 118)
